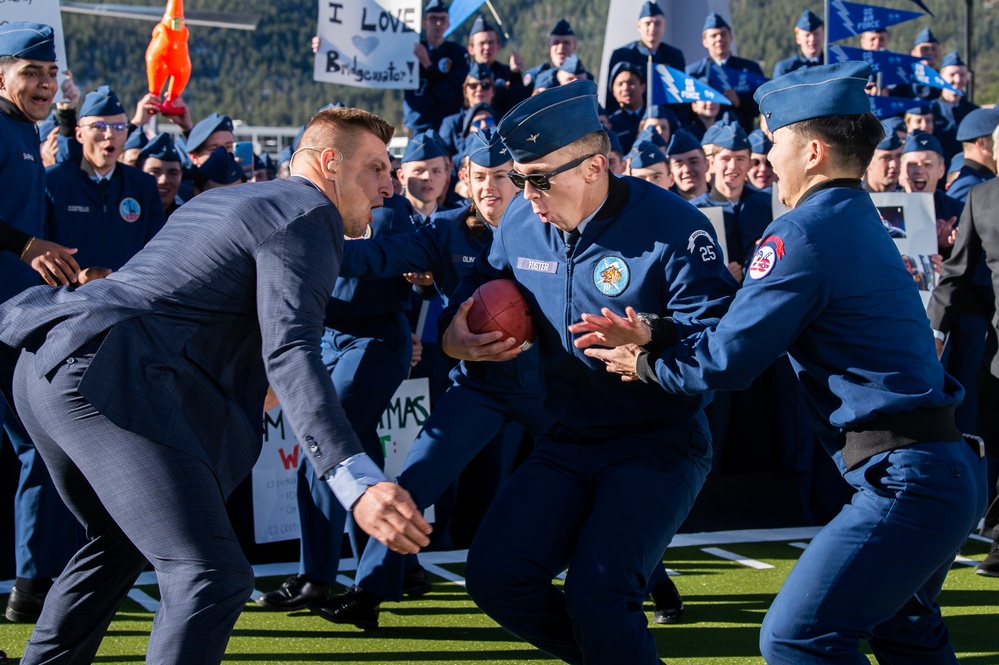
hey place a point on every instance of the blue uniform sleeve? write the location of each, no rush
(783, 292)
(389, 256)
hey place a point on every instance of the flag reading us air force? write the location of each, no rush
(368, 44)
(611, 276)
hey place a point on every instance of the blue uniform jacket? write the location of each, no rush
(794, 63)
(744, 224)
(451, 133)
(447, 247)
(638, 55)
(510, 89)
(946, 118)
(625, 125)
(109, 225)
(440, 91)
(22, 204)
(828, 286)
(971, 174)
(358, 304)
(646, 248)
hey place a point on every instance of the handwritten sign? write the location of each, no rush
(368, 44)
(275, 475)
(40, 11)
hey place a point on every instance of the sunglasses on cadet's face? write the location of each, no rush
(475, 85)
(103, 126)
(542, 181)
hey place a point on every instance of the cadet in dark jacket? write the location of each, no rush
(809, 34)
(443, 66)
(483, 46)
(979, 165)
(651, 28)
(881, 403)
(160, 159)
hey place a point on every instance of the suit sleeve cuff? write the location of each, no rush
(940, 335)
(352, 477)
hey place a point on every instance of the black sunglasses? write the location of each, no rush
(542, 181)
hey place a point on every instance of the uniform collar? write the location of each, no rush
(8, 108)
(88, 168)
(848, 183)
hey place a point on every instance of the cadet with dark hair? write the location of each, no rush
(881, 403)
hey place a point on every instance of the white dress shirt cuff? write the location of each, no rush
(352, 477)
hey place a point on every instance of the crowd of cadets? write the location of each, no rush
(111, 185)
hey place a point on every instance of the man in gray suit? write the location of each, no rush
(144, 392)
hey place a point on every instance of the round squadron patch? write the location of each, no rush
(444, 65)
(129, 209)
(763, 262)
(611, 276)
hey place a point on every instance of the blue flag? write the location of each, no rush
(726, 78)
(671, 86)
(895, 68)
(919, 3)
(461, 10)
(886, 107)
(847, 19)
(928, 76)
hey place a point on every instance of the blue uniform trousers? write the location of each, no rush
(138, 500)
(366, 371)
(462, 424)
(606, 511)
(875, 571)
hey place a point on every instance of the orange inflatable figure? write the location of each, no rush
(167, 57)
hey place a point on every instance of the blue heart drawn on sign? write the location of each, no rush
(365, 44)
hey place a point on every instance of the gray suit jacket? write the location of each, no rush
(977, 240)
(229, 295)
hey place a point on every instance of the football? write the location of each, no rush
(499, 305)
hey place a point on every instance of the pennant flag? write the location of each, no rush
(726, 78)
(886, 107)
(671, 86)
(926, 9)
(461, 10)
(895, 68)
(847, 19)
(929, 76)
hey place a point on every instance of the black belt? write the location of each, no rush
(899, 430)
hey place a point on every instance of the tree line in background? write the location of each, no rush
(265, 77)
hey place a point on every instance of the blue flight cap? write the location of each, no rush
(550, 120)
(137, 139)
(481, 25)
(480, 72)
(572, 65)
(284, 156)
(715, 21)
(562, 29)
(645, 154)
(952, 59)
(626, 66)
(682, 141)
(759, 144)
(220, 167)
(435, 135)
(978, 123)
(663, 112)
(920, 140)
(726, 136)
(896, 123)
(956, 163)
(809, 21)
(422, 148)
(546, 79)
(925, 36)
(257, 163)
(160, 147)
(466, 123)
(46, 126)
(920, 109)
(650, 135)
(102, 101)
(486, 149)
(615, 142)
(435, 6)
(27, 40)
(891, 141)
(207, 127)
(815, 92)
(650, 8)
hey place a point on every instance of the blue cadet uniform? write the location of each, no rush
(562, 29)
(881, 404)
(161, 147)
(746, 220)
(946, 116)
(638, 55)
(623, 122)
(485, 396)
(808, 21)
(624, 464)
(44, 539)
(221, 168)
(454, 128)
(440, 90)
(977, 124)
(509, 86)
(920, 91)
(747, 109)
(108, 218)
(366, 348)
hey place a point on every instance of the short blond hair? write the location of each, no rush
(340, 126)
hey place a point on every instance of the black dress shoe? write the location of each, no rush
(295, 594)
(355, 606)
(668, 606)
(415, 582)
(24, 607)
(990, 566)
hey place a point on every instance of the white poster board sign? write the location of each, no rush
(275, 475)
(40, 11)
(368, 44)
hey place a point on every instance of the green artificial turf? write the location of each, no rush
(725, 603)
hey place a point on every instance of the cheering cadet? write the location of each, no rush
(161, 160)
(443, 66)
(688, 164)
(651, 28)
(483, 46)
(561, 45)
(809, 34)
